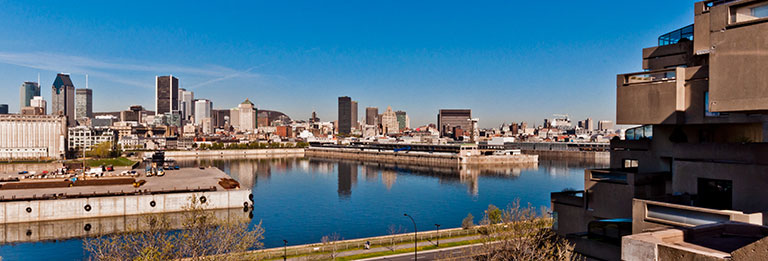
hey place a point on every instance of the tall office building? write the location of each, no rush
(83, 103)
(63, 98)
(203, 110)
(448, 119)
(345, 115)
(355, 121)
(27, 91)
(166, 94)
(402, 120)
(605, 125)
(589, 124)
(3, 108)
(389, 122)
(370, 115)
(244, 117)
(186, 103)
(689, 182)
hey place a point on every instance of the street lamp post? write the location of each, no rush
(285, 249)
(415, 238)
(438, 235)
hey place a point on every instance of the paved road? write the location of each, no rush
(385, 249)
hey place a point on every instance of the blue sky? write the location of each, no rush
(506, 60)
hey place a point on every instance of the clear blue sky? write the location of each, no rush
(506, 60)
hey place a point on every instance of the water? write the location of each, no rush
(301, 200)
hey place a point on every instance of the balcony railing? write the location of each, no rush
(676, 35)
(689, 216)
(609, 175)
(664, 75)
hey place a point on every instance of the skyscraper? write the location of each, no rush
(166, 94)
(402, 120)
(244, 117)
(63, 98)
(83, 103)
(203, 110)
(370, 115)
(447, 119)
(355, 121)
(26, 92)
(389, 122)
(186, 103)
(3, 108)
(589, 124)
(345, 115)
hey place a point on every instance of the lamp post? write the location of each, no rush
(438, 235)
(415, 238)
(285, 249)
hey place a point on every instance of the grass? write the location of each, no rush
(409, 250)
(387, 252)
(117, 162)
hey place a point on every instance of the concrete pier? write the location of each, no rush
(298, 152)
(419, 157)
(99, 226)
(170, 193)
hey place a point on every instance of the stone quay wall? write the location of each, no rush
(78, 208)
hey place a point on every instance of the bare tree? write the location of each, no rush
(330, 242)
(521, 233)
(393, 231)
(203, 236)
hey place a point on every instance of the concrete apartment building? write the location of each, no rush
(34, 137)
(689, 182)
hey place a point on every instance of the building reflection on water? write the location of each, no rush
(251, 171)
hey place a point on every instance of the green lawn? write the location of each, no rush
(121, 161)
(408, 250)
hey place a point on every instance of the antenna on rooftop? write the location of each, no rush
(86, 81)
(38, 79)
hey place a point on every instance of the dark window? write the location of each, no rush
(715, 193)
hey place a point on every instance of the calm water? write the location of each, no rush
(301, 199)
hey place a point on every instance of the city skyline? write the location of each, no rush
(516, 74)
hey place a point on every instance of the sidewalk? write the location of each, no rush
(386, 249)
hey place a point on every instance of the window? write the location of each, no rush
(715, 193)
(630, 163)
(760, 11)
(707, 112)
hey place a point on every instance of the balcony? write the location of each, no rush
(650, 215)
(654, 97)
(676, 36)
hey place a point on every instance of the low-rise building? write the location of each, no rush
(83, 137)
(24, 137)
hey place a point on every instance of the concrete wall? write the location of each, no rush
(656, 102)
(738, 64)
(74, 208)
(92, 227)
(386, 156)
(749, 182)
(589, 156)
(225, 153)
